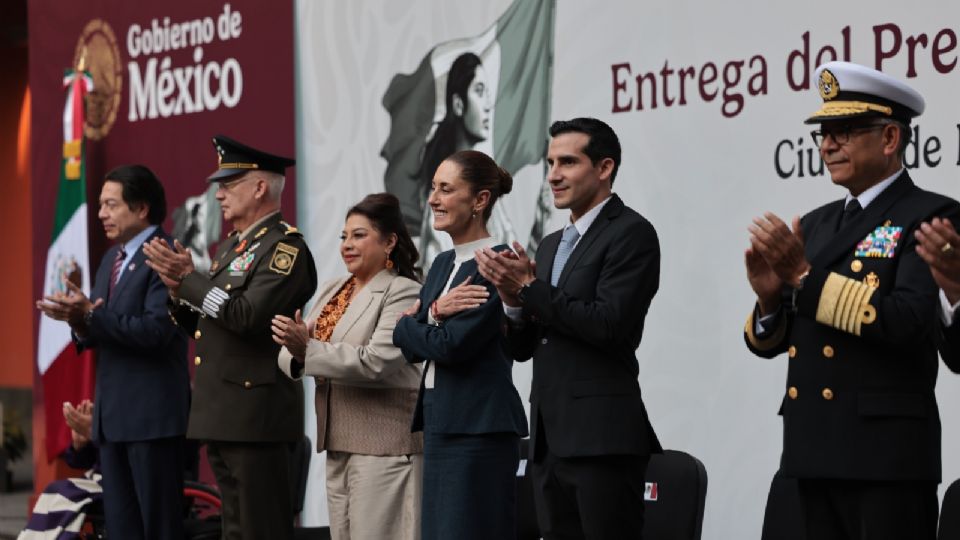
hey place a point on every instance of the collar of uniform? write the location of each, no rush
(583, 224)
(871, 193)
(243, 234)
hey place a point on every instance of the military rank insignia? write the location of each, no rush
(241, 264)
(881, 243)
(283, 258)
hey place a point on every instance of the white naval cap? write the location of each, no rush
(851, 91)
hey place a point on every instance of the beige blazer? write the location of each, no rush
(366, 390)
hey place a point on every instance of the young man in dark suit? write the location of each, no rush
(847, 297)
(579, 313)
(244, 408)
(143, 389)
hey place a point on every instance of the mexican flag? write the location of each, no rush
(66, 375)
(513, 61)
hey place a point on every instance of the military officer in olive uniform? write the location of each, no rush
(243, 407)
(847, 297)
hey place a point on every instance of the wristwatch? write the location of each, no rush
(87, 317)
(522, 291)
(795, 294)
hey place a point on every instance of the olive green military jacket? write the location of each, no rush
(239, 393)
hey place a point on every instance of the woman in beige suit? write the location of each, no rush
(366, 391)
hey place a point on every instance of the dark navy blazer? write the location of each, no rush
(143, 388)
(474, 391)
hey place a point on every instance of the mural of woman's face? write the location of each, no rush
(476, 110)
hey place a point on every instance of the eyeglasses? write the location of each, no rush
(841, 134)
(228, 186)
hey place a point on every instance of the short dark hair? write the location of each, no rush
(141, 186)
(482, 173)
(383, 211)
(905, 135)
(603, 141)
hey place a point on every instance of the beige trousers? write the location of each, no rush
(374, 497)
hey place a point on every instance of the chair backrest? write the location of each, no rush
(782, 519)
(300, 452)
(950, 513)
(675, 496)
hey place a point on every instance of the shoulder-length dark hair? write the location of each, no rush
(383, 211)
(444, 138)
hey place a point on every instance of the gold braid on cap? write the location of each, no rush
(239, 166)
(847, 108)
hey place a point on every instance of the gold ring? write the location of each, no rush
(947, 248)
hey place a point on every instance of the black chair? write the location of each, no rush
(782, 519)
(950, 513)
(675, 497)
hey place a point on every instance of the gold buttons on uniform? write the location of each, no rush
(196, 361)
(227, 286)
(196, 335)
(247, 384)
(827, 394)
(856, 265)
(792, 351)
(792, 392)
(828, 351)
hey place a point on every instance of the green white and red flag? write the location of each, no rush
(66, 374)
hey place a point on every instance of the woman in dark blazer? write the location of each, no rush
(468, 408)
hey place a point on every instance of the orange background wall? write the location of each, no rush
(18, 316)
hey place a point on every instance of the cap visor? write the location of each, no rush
(223, 174)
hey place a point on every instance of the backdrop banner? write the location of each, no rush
(163, 79)
(708, 100)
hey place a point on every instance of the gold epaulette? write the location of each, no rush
(769, 342)
(845, 304)
(290, 229)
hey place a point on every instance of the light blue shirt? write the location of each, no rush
(133, 246)
(515, 313)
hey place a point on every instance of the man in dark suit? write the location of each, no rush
(846, 295)
(579, 313)
(244, 407)
(143, 389)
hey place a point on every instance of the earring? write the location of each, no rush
(389, 264)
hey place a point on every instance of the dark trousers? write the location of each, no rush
(143, 488)
(255, 489)
(595, 498)
(469, 483)
(869, 510)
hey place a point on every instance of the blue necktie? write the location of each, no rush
(569, 239)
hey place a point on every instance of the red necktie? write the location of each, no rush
(115, 272)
